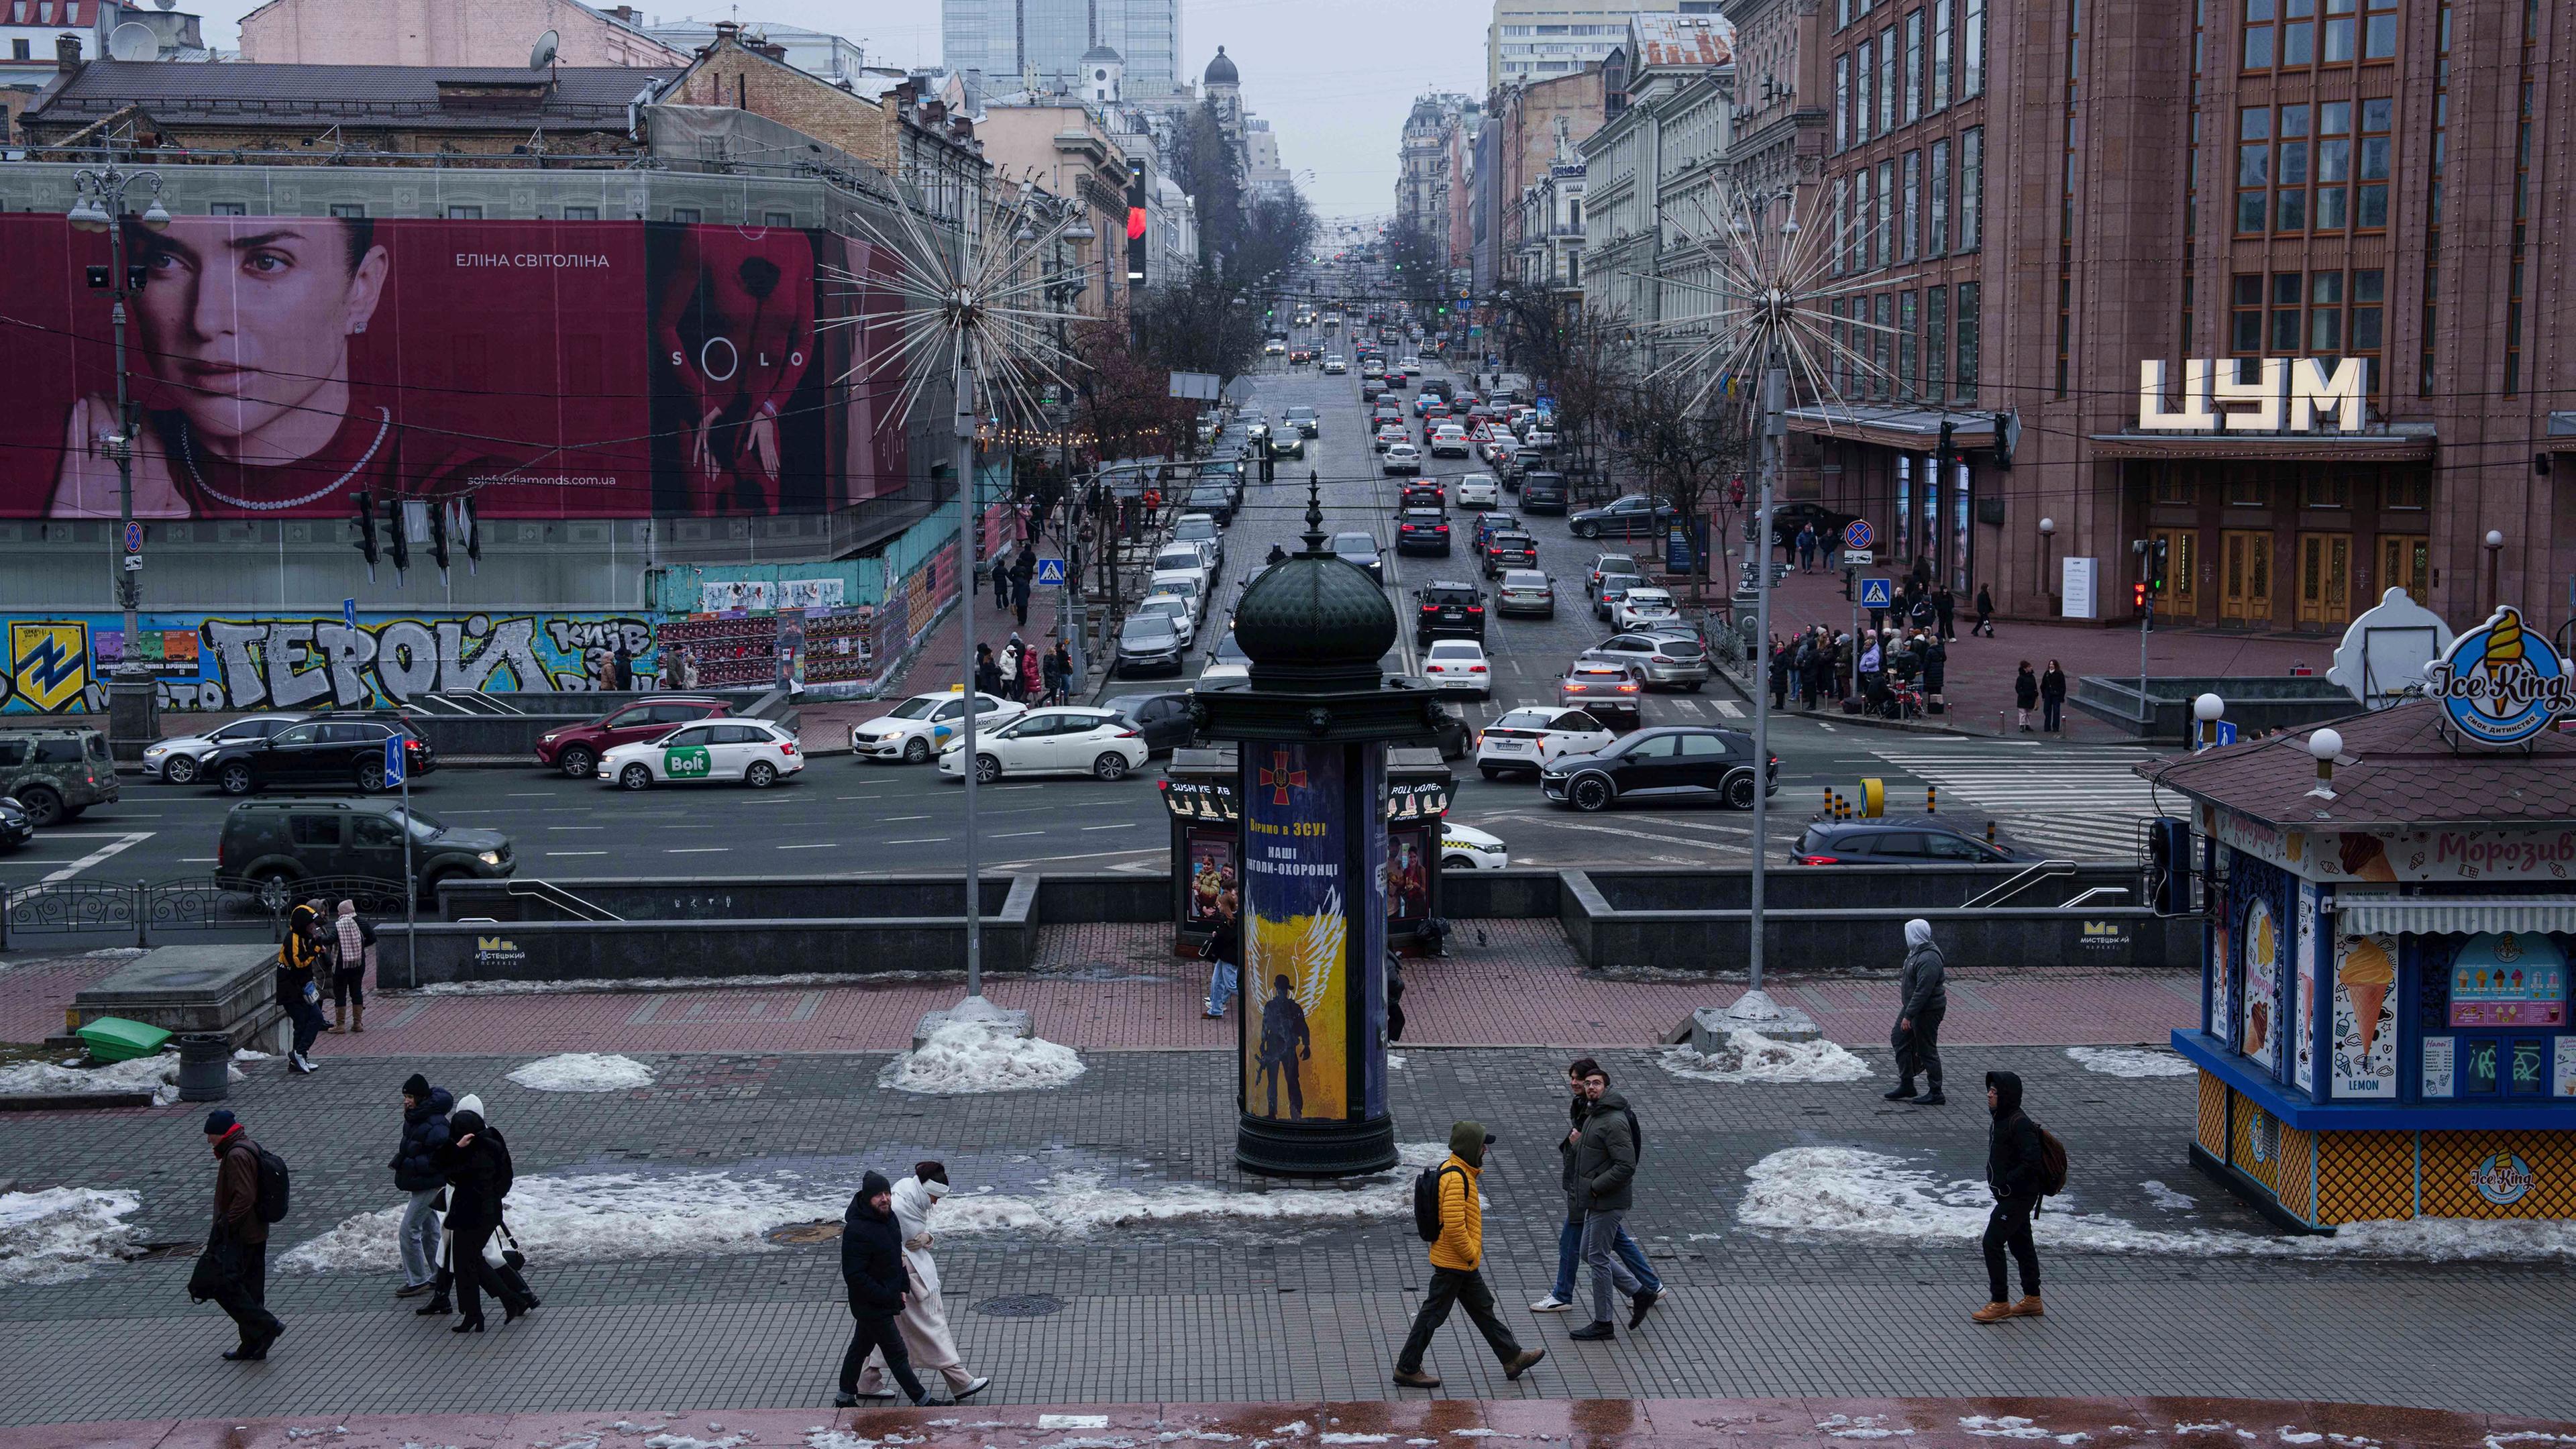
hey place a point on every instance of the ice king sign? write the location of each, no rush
(2285, 395)
(2499, 683)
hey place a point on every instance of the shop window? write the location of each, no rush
(2245, 313)
(2285, 311)
(2258, 34)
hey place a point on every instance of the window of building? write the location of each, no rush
(2298, 33)
(1936, 238)
(778, 218)
(1940, 54)
(18, 50)
(1972, 191)
(687, 214)
(1861, 228)
(1860, 97)
(2325, 314)
(1882, 350)
(2259, 15)
(1908, 241)
(1840, 248)
(1842, 103)
(2291, 200)
(2370, 203)
(348, 211)
(2245, 313)
(581, 213)
(2334, 165)
(1906, 337)
(1936, 343)
(2287, 289)
(1963, 377)
(2324, 485)
(2379, 31)
(2340, 31)
(2364, 337)
(1887, 80)
(465, 213)
(2249, 485)
(2253, 167)
(1913, 67)
(2433, 198)
(1972, 50)
(227, 208)
(1885, 247)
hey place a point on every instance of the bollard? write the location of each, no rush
(1931, 799)
(1990, 830)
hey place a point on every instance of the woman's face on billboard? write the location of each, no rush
(248, 320)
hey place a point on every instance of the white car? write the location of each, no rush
(1464, 847)
(1449, 441)
(1479, 490)
(1335, 365)
(1185, 554)
(1640, 607)
(1403, 458)
(1457, 666)
(753, 751)
(921, 726)
(1176, 609)
(1531, 738)
(1412, 366)
(1095, 742)
(1188, 584)
(181, 758)
(1541, 437)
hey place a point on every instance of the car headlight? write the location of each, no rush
(489, 857)
(1496, 848)
(155, 751)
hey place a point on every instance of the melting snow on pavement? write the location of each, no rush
(583, 1072)
(61, 1233)
(158, 1075)
(1749, 1056)
(978, 1056)
(2165, 1197)
(2131, 1062)
(1848, 1190)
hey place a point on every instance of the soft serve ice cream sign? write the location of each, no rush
(2499, 683)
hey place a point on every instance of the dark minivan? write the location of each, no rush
(282, 842)
(1543, 493)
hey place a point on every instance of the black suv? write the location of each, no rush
(1448, 610)
(1423, 530)
(1665, 763)
(1543, 493)
(1509, 551)
(325, 752)
(1899, 842)
(280, 842)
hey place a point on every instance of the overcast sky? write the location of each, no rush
(1334, 77)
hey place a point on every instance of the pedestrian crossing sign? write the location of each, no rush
(1877, 593)
(1051, 571)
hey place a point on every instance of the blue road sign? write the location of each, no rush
(2225, 734)
(1877, 593)
(394, 759)
(1050, 571)
(1857, 534)
(349, 612)
(134, 538)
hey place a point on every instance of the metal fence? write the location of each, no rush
(175, 907)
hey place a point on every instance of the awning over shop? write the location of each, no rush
(1911, 430)
(2466, 915)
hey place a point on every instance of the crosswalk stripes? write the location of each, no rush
(1728, 708)
(2080, 803)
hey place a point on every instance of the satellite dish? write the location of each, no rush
(167, 4)
(544, 55)
(133, 41)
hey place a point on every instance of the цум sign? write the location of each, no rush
(2287, 395)
(2499, 683)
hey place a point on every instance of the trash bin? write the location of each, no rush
(205, 1067)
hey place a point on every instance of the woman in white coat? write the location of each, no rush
(924, 1322)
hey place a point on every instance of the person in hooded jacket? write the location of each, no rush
(417, 1171)
(1569, 1241)
(1455, 1257)
(477, 1165)
(924, 1320)
(2017, 1173)
(1922, 1000)
(299, 990)
(872, 1270)
(1604, 1188)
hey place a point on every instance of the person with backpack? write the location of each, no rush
(1605, 1187)
(417, 1172)
(1449, 1214)
(478, 1170)
(1922, 1000)
(234, 1270)
(2020, 1169)
(299, 991)
(1569, 1238)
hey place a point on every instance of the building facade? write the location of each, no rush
(1535, 39)
(834, 58)
(1658, 192)
(1531, 121)
(1781, 121)
(447, 32)
(1069, 151)
(1011, 41)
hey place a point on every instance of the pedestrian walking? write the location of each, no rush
(924, 1320)
(1224, 953)
(298, 988)
(478, 1171)
(2052, 698)
(1009, 665)
(872, 1271)
(621, 668)
(1569, 1238)
(1063, 657)
(1605, 1187)
(1032, 677)
(1985, 613)
(353, 956)
(1001, 583)
(1807, 549)
(1457, 1251)
(1780, 657)
(1922, 1000)
(1054, 673)
(2016, 1168)
(2025, 694)
(233, 1271)
(988, 674)
(416, 1166)
(1020, 595)
(1945, 604)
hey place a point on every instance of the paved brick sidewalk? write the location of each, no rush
(1110, 987)
(2108, 1423)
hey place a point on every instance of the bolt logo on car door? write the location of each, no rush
(687, 762)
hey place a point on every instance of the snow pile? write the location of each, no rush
(2131, 1062)
(2165, 1197)
(1865, 1426)
(1077, 1203)
(1749, 1056)
(2010, 1426)
(979, 1056)
(583, 1072)
(61, 1233)
(158, 1075)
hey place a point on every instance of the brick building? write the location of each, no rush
(447, 33)
(2268, 283)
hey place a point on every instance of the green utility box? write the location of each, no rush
(115, 1039)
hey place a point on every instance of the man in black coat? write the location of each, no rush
(2017, 1172)
(416, 1171)
(872, 1268)
(477, 1164)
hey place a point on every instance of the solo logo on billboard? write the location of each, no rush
(2499, 683)
(687, 762)
(2503, 1178)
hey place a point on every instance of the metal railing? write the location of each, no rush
(2022, 880)
(562, 900)
(187, 904)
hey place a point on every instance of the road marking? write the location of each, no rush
(198, 859)
(858, 797)
(1129, 825)
(1013, 834)
(576, 827)
(95, 856)
(1728, 708)
(891, 819)
(818, 845)
(923, 840)
(698, 850)
(554, 854)
(531, 794)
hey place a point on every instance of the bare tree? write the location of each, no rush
(1690, 448)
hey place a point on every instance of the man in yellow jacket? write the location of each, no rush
(1454, 1259)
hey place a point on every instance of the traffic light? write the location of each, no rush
(2003, 442)
(1941, 459)
(2156, 567)
(367, 532)
(2138, 596)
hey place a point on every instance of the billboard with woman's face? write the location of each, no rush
(282, 366)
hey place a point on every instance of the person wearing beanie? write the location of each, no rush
(353, 943)
(924, 1320)
(1455, 1258)
(234, 1270)
(872, 1269)
(476, 1163)
(416, 1168)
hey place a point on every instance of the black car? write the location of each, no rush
(317, 753)
(1308, 425)
(17, 827)
(1627, 517)
(1422, 530)
(1448, 610)
(1213, 499)
(1665, 763)
(1543, 492)
(1899, 842)
(1163, 719)
(1509, 551)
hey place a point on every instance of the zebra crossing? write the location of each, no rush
(2071, 802)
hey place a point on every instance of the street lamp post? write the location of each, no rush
(2495, 555)
(2047, 556)
(133, 705)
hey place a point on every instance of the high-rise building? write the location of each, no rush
(1047, 39)
(1536, 39)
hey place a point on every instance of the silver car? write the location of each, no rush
(1526, 591)
(1669, 659)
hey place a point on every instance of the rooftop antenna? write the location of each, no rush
(548, 46)
(132, 40)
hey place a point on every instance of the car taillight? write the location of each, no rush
(1475, 608)
(1627, 689)
(1572, 688)
(1819, 860)
(1126, 734)
(786, 747)
(1475, 669)
(1431, 608)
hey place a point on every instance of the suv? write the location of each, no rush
(56, 771)
(1510, 551)
(1543, 492)
(280, 842)
(575, 749)
(319, 752)
(1448, 609)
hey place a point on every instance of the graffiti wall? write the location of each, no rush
(61, 664)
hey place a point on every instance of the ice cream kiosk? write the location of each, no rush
(2391, 907)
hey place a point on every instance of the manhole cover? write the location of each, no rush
(821, 1230)
(1021, 1305)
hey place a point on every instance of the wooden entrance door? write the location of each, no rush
(2406, 562)
(2325, 579)
(2181, 596)
(2245, 575)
